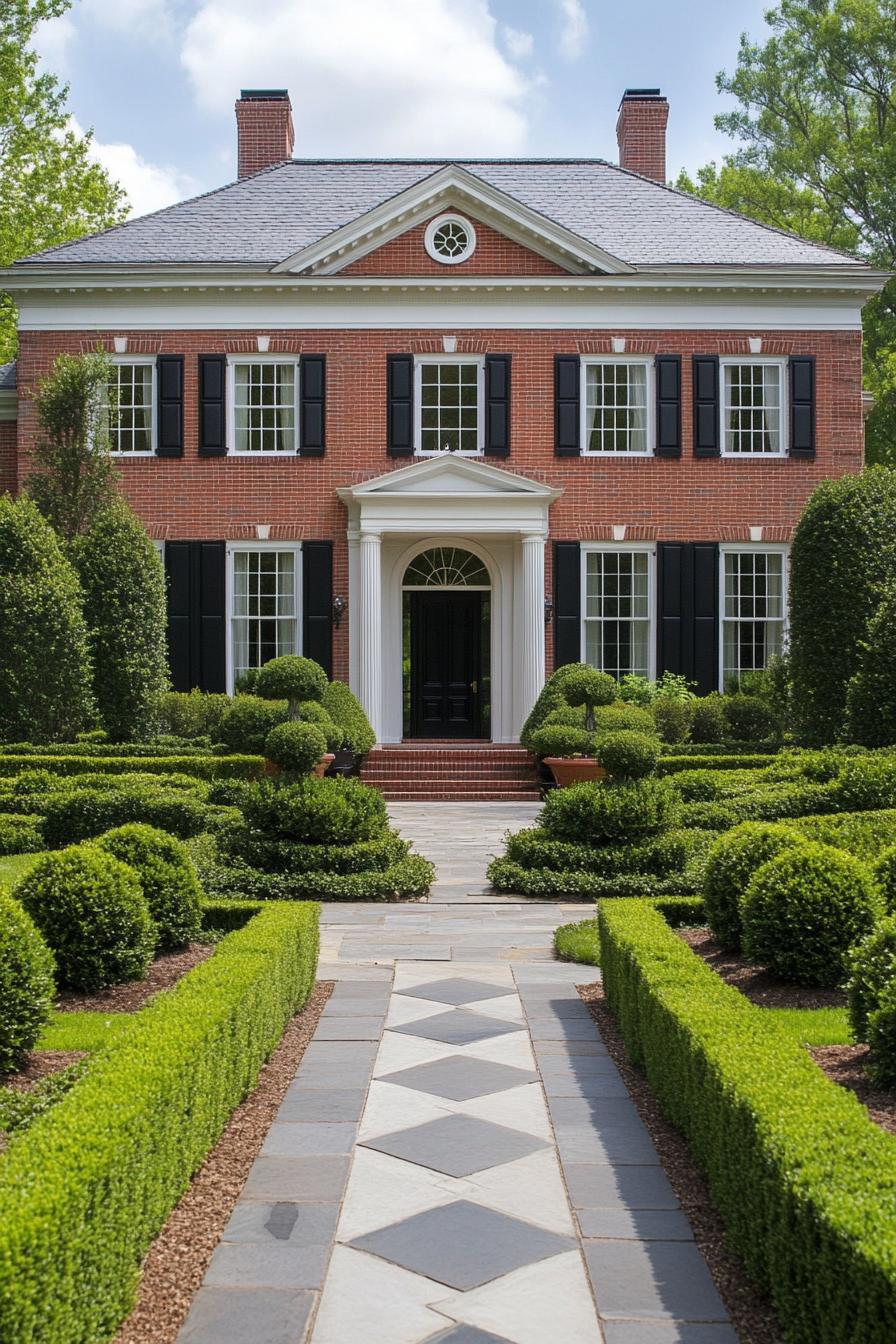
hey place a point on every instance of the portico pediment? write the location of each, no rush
(448, 475)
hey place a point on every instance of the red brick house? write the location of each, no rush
(444, 425)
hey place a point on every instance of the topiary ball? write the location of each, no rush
(558, 739)
(295, 747)
(311, 711)
(587, 686)
(291, 678)
(748, 718)
(599, 814)
(628, 755)
(316, 811)
(867, 783)
(170, 886)
(732, 861)
(804, 909)
(872, 969)
(26, 983)
(91, 910)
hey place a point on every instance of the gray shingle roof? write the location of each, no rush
(8, 377)
(270, 216)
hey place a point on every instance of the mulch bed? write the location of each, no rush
(758, 984)
(179, 1256)
(40, 1064)
(164, 972)
(845, 1064)
(751, 1313)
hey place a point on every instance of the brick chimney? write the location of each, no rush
(265, 134)
(641, 132)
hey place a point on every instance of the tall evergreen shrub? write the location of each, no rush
(871, 694)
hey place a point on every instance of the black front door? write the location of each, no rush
(446, 664)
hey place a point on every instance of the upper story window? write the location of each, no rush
(753, 393)
(265, 405)
(616, 406)
(449, 400)
(132, 406)
(754, 609)
(617, 610)
(450, 239)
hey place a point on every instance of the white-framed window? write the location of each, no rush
(753, 601)
(449, 400)
(617, 402)
(263, 396)
(617, 608)
(263, 604)
(450, 239)
(753, 406)
(132, 398)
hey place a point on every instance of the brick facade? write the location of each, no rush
(494, 255)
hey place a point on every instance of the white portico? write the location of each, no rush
(446, 528)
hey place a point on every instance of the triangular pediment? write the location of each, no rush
(448, 475)
(453, 188)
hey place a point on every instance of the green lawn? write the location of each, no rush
(14, 866)
(578, 942)
(83, 1031)
(814, 1026)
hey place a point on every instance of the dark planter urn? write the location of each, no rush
(574, 770)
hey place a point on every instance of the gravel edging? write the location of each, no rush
(756, 983)
(751, 1313)
(177, 1260)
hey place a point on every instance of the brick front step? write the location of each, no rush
(428, 795)
(442, 771)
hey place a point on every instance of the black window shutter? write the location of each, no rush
(170, 389)
(687, 635)
(197, 619)
(212, 420)
(400, 405)
(567, 602)
(802, 406)
(707, 441)
(668, 405)
(497, 405)
(312, 405)
(567, 369)
(317, 603)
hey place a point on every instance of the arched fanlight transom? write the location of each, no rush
(446, 567)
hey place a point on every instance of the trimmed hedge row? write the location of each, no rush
(20, 833)
(86, 1189)
(101, 749)
(84, 813)
(288, 857)
(805, 1182)
(548, 883)
(405, 879)
(203, 767)
(704, 759)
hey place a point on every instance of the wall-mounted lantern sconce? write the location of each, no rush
(548, 610)
(338, 611)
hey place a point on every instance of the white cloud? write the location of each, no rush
(149, 186)
(52, 41)
(149, 20)
(518, 43)
(574, 30)
(367, 76)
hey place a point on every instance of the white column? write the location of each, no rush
(371, 630)
(532, 653)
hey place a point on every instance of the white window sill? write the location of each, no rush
(608, 452)
(123, 453)
(448, 452)
(285, 452)
(779, 453)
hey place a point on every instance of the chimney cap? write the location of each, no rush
(264, 95)
(642, 96)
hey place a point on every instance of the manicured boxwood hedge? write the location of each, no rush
(805, 1182)
(705, 759)
(86, 1189)
(203, 767)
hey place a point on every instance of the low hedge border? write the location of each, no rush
(203, 767)
(752, 760)
(764, 751)
(408, 878)
(86, 1189)
(548, 883)
(805, 1182)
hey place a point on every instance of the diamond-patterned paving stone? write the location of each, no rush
(457, 991)
(460, 1077)
(466, 1334)
(457, 1145)
(457, 1027)
(463, 1245)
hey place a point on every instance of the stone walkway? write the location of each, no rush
(457, 1160)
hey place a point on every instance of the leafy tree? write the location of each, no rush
(44, 660)
(816, 126)
(50, 191)
(124, 606)
(75, 476)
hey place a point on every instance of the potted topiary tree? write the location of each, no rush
(569, 752)
(295, 680)
(297, 749)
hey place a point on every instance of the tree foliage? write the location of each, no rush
(816, 130)
(871, 696)
(50, 190)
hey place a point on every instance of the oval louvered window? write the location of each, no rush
(450, 239)
(446, 567)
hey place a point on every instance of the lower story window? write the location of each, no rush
(753, 610)
(617, 604)
(264, 614)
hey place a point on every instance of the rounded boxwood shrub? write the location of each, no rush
(748, 718)
(247, 722)
(672, 718)
(296, 747)
(166, 875)
(316, 811)
(708, 719)
(91, 910)
(872, 970)
(310, 711)
(804, 909)
(293, 679)
(882, 1039)
(731, 863)
(628, 755)
(622, 718)
(551, 697)
(586, 686)
(345, 710)
(26, 983)
(558, 739)
(596, 814)
(867, 783)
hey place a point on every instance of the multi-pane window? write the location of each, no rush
(752, 416)
(264, 610)
(264, 406)
(449, 406)
(616, 407)
(130, 398)
(617, 611)
(753, 610)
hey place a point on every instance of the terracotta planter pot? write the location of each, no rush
(574, 769)
(323, 765)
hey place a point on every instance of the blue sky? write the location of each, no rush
(156, 79)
